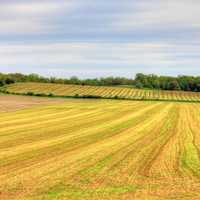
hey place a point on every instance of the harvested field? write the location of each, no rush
(13, 102)
(104, 92)
(101, 149)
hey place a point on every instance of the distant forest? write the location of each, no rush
(142, 81)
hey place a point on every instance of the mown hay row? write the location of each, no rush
(104, 149)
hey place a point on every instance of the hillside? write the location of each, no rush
(100, 92)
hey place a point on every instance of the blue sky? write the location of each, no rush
(94, 38)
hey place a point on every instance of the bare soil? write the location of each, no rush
(14, 102)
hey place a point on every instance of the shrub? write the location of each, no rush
(9, 81)
(50, 95)
(40, 95)
(116, 97)
(1, 83)
(76, 95)
(91, 96)
(30, 93)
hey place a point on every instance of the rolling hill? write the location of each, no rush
(62, 90)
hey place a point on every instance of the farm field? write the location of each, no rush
(100, 149)
(13, 102)
(105, 92)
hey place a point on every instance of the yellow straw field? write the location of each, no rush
(104, 92)
(100, 149)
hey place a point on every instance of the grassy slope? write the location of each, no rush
(105, 92)
(101, 149)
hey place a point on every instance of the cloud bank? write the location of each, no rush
(99, 38)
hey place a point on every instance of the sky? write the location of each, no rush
(95, 38)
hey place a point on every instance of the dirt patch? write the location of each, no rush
(13, 102)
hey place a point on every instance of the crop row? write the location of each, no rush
(102, 92)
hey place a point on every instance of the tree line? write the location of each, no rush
(184, 83)
(108, 81)
(151, 81)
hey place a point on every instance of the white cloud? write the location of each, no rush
(101, 58)
(95, 20)
(36, 17)
(82, 53)
(160, 15)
